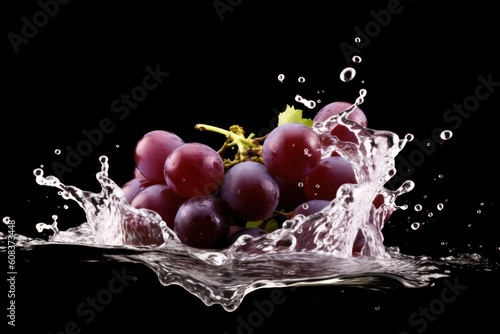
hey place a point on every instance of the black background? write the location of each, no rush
(223, 70)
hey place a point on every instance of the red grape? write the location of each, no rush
(133, 186)
(324, 181)
(161, 199)
(359, 242)
(309, 207)
(194, 169)
(152, 150)
(335, 108)
(137, 173)
(202, 222)
(250, 231)
(250, 191)
(142, 230)
(291, 151)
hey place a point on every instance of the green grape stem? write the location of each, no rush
(249, 148)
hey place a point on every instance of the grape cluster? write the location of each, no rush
(210, 200)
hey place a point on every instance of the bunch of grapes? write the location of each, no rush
(210, 200)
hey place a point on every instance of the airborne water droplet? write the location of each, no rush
(446, 134)
(308, 103)
(281, 77)
(357, 40)
(57, 151)
(415, 226)
(440, 206)
(356, 59)
(301, 79)
(418, 207)
(347, 74)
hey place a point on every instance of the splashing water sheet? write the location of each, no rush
(307, 250)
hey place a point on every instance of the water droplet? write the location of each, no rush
(446, 134)
(308, 103)
(377, 308)
(356, 59)
(117, 145)
(57, 151)
(301, 79)
(418, 207)
(478, 211)
(362, 94)
(305, 206)
(357, 40)
(347, 74)
(281, 77)
(440, 206)
(317, 185)
(300, 184)
(415, 226)
(430, 214)
(409, 137)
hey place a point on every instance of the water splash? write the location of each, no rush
(340, 245)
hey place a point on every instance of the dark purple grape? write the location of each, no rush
(152, 150)
(309, 207)
(202, 222)
(253, 232)
(291, 151)
(324, 181)
(161, 199)
(194, 169)
(291, 194)
(250, 191)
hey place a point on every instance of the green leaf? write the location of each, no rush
(271, 225)
(292, 115)
(252, 224)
